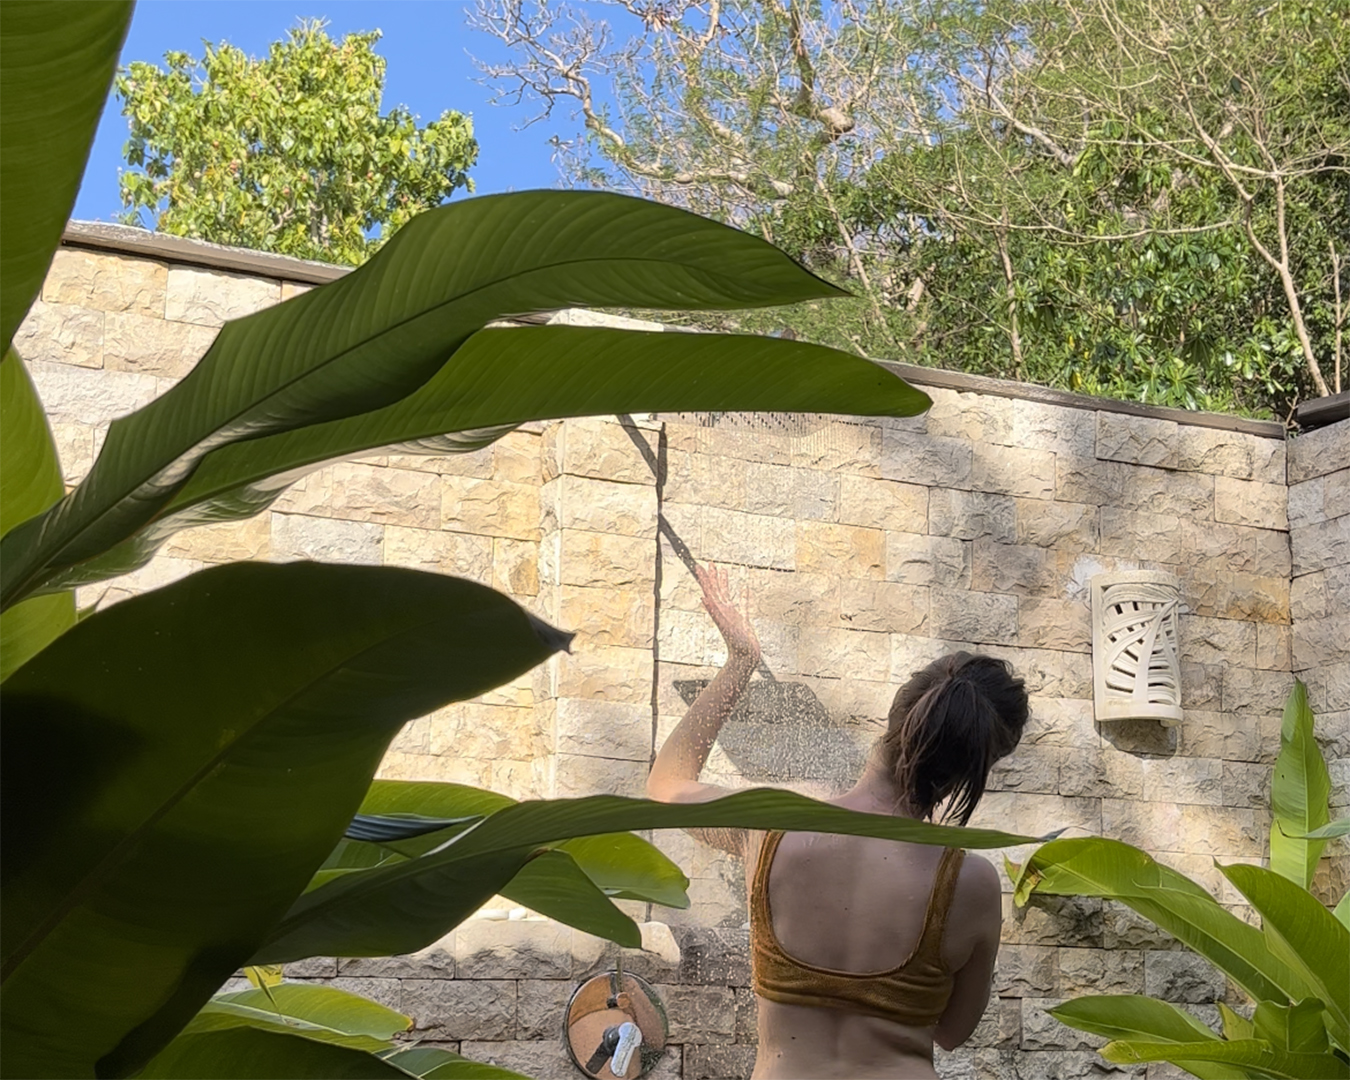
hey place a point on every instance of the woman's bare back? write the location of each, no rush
(858, 904)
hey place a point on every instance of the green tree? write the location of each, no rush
(289, 153)
(1136, 198)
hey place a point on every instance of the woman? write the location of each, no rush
(865, 952)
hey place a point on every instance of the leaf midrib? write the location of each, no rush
(118, 854)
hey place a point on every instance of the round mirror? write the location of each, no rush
(615, 1026)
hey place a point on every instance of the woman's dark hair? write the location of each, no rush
(948, 725)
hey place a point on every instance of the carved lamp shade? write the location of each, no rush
(1136, 672)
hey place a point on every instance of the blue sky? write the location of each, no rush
(426, 44)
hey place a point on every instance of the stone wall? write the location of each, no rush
(867, 547)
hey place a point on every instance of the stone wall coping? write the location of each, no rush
(127, 240)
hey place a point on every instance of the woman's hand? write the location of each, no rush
(734, 627)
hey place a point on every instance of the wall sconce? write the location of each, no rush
(1136, 670)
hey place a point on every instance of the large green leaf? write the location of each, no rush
(403, 907)
(256, 1053)
(552, 884)
(1303, 934)
(1133, 1017)
(433, 1063)
(30, 481)
(627, 867)
(1258, 1057)
(56, 64)
(323, 1008)
(216, 737)
(501, 378)
(1342, 911)
(1094, 866)
(1300, 788)
(1333, 830)
(1292, 1027)
(371, 338)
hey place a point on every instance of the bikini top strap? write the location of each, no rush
(940, 902)
(759, 892)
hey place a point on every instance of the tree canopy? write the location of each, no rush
(1146, 199)
(288, 153)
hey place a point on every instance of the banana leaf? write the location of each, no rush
(1257, 1057)
(373, 337)
(204, 778)
(1300, 787)
(402, 907)
(29, 483)
(56, 64)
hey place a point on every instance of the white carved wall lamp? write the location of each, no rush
(1136, 670)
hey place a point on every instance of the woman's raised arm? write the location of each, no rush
(674, 775)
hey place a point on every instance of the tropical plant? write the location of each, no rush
(1295, 968)
(213, 804)
(288, 153)
(1135, 198)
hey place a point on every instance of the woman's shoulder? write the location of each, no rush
(979, 889)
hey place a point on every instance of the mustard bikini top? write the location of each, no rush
(914, 994)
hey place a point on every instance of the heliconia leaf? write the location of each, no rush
(30, 481)
(500, 378)
(1331, 831)
(382, 828)
(253, 1052)
(1292, 1027)
(406, 906)
(1094, 866)
(1305, 935)
(1130, 1017)
(552, 884)
(1257, 1056)
(433, 1063)
(373, 337)
(56, 64)
(1235, 1026)
(218, 794)
(1300, 788)
(321, 1007)
(1342, 911)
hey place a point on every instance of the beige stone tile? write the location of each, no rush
(149, 346)
(490, 507)
(887, 606)
(74, 449)
(971, 515)
(730, 536)
(460, 554)
(212, 298)
(1250, 502)
(843, 550)
(852, 653)
(61, 334)
(1319, 452)
(622, 617)
(298, 536)
(599, 447)
(708, 480)
(576, 502)
(224, 542)
(600, 560)
(1217, 641)
(1225, 594)
(486, 732)
(362, 492)
(982, 617)
(106, 282)
(1013, 470)
(1065, 526)
(604, 673)
(291, 289)
(1137, 440)
(980, 418)
(515, 566)
(1015, 568)
(927, 560)
(605, 729)
(882, 504)
(1050, 623)
(915, 458)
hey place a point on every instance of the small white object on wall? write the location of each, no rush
(1136, 671)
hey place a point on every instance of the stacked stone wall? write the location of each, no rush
(867, 548)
